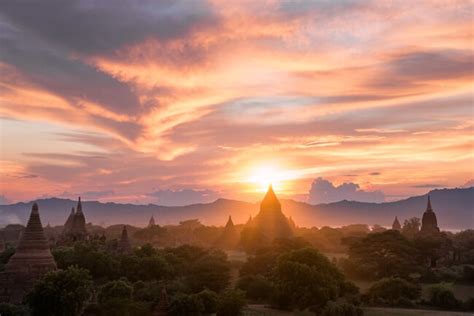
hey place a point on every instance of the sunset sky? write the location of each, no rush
(176, 102)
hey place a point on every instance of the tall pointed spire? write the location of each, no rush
(31, 260)
(151, 223)
(124, 243)
(270, 201)
(79, 205)
(230, 223)
(428, 206)
(396, 224)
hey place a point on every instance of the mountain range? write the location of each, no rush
(454, 209)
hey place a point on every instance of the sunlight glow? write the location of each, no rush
(264, 175)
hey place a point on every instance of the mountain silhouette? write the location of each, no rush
(454, 209)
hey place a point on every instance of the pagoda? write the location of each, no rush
(32, 259)
(429, 223)
(75, 226)
(151, 223)
(124, 246)
(396, 224)
(229, 239)
(271, 221)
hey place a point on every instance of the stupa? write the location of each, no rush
(396, 224)
(229, 238)
(271, 221)
(151, 223)
(31, 260)
(124, 246)
(429, 223)
(75, 226)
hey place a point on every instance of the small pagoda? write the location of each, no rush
(124, 246)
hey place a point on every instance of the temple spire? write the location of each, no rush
(124, 243)
(428, 206)
(79, 206)
(151, 223)
(230, 223)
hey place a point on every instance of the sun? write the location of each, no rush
(263, 175)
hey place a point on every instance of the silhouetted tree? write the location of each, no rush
(411, 227)
(62, 292)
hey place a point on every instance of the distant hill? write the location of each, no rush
(454, 209)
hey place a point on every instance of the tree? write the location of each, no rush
(184, 305)
(381, 255)
(463, 243)
(231, 303)
(256, 287)
(62, 292)
(392, 291)
(305, 278)
(433, 246)
(440, 295)
(115, 298)
(411, 227)
(209, 300)
(212, 271)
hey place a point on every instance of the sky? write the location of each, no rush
(176, 102)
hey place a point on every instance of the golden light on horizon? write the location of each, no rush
(270, 174)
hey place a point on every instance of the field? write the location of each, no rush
(261, 310)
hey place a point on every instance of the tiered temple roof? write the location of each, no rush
(429, 223)
(230, 236)
(151, 223)
(124, 245)
(396, 225)
(270, 220)
(75, 226)
(31, 260)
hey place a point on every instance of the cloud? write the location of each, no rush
(183, 197)
(323, 191)
(89, 195)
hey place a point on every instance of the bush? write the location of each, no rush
(183, 305)
(231, 303)
(13, 310)
(341, 309)
(393, 291)
(256, 287)
(209, 300)
(442, 297)
(469, 304)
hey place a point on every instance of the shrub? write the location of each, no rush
(256, 287)
(183, 305)
(13, 310)
(231, 303)
(209, 300)
(442, 297)
(393, 291)
(341, 309)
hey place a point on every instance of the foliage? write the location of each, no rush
(209, 300)
(251, 239)
(256, 287)
(13, 310)
(463, 243)
(183, 305)
(211, 271)
(150, 233)
(304, 278)
(381, 255)
(431, 247)
(112, 290)
(411, 227)
(231, 303)
(5, 256)
(341, 309)
(62, 292)
(392, 291)
(441, 296)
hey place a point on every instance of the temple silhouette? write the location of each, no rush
(429, 223)
(32, 259)
(271, 221)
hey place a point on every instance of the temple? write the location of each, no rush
(229, 239)
(271, 221)
(429, 223)
(31, 260)
(124, 246)
(75, 226)
(151, 223)
(396, 225)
